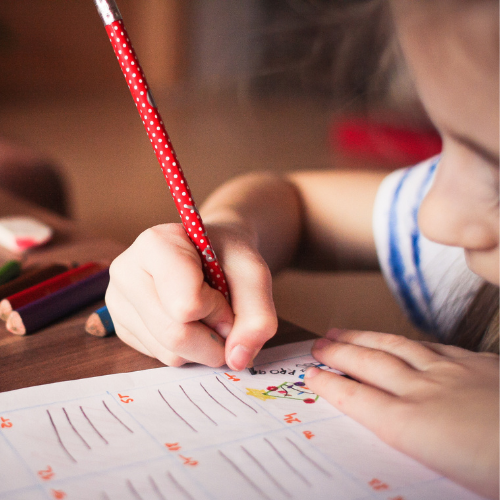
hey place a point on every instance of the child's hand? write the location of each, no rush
(161, 305)
(436, 403)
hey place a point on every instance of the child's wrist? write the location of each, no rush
(229, 222)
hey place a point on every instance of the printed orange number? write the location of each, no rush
(232, 377)
(397, 498)
(377, 484)
(290, 418)
(188, 461)
(5, 423)
(308, 434)
(173, 446)
(125, 399)
(58, 494)
(46, 474)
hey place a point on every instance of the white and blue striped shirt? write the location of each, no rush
(431, 282)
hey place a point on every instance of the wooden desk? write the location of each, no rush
(64, 351)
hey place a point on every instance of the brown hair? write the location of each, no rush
(478, 329)
(342, 49)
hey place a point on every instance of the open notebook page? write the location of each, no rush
(200, 433)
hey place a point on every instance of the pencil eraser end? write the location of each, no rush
(20, 233)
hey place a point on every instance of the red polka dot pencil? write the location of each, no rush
(162, 146)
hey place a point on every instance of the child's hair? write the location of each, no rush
(478, 329)
(349, 47)
(343, 49)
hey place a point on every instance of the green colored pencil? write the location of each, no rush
(10, 270)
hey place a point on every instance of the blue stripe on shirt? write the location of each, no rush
(415, 239)
(396, 262)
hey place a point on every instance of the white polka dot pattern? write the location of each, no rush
(165, 154)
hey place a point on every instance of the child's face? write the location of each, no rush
(452, 48)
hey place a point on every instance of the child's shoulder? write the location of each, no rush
(430, 281)
(408, 185)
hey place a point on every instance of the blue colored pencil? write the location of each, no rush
(100, 323)
(40, 313)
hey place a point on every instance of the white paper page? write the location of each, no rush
(200, 433)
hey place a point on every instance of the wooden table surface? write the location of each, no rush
(64, 351)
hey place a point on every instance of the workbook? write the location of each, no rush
(200, 433)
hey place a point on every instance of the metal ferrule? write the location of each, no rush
(108, 10)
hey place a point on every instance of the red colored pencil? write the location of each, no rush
(46, 287)
(160, 141)
(31, 276)
(46, 310)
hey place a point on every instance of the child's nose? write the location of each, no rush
(451, 215)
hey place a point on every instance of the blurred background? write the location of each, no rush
(249, 85)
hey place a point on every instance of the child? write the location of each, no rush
(437, 403)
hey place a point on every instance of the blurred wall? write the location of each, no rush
(226, 41)
(59, 47)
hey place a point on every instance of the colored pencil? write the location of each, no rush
(46, 287)
(162, 146)
(100, 323)
(10, 270)
(29, 277)
(42, 312)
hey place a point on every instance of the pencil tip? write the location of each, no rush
(15, 324)
(94, 326)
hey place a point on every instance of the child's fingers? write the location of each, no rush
(450, 351)
(166, 253)
(371, 366)
(414, 353)
(162, 337)
(162, 355)
(255, 319)
(131, 340)
(136, 334)
(365, 404)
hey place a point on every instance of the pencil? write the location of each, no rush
(44, 311)
(10, 270)
(100, 323)
(30, 277)
(46, 287)
(162, 146)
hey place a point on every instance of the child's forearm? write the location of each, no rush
(337, 213)
(315, 220)
(266, 207)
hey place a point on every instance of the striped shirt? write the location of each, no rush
(430, 281)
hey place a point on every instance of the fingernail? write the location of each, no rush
(321, 343)
(334, 333)
(240, 357)
(223, 329)
(312, 372)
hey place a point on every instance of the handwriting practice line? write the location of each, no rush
(267, 473)
(93, 426)
(74, 429)
(59, 438)
(218, 402)
(124, 425)
(234, 395)
(244, 476)
(197, 406)
(180, 416)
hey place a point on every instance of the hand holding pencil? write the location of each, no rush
(162, 145)
(164, 295)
